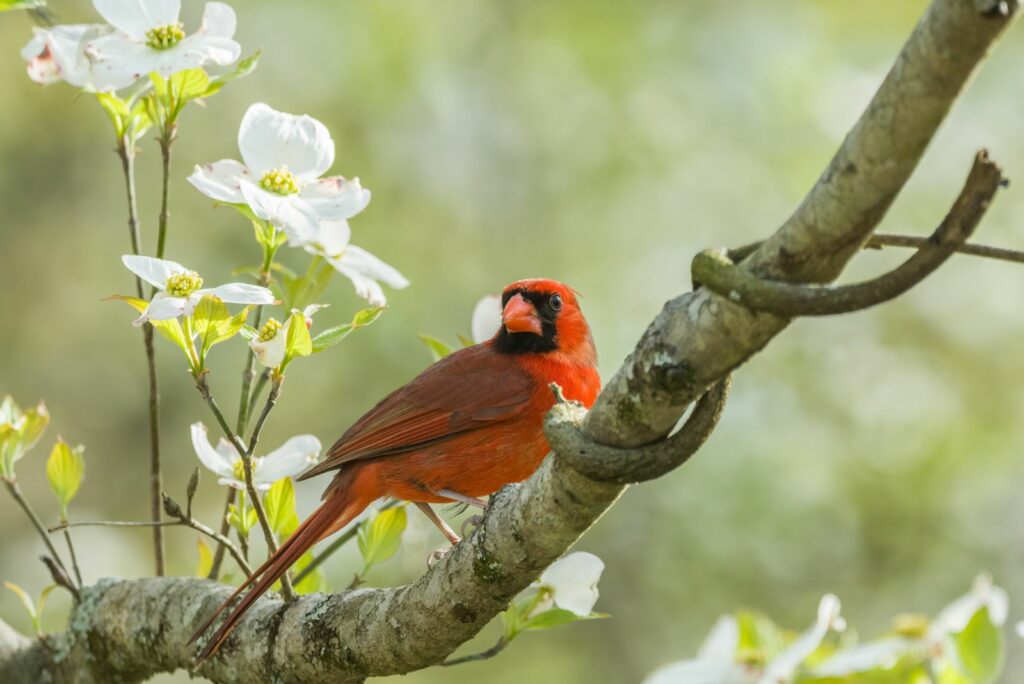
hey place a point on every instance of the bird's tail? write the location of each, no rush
(345, 501)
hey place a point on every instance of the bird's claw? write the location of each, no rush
(438, 556)
(470, 524)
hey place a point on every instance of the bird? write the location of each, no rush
(466, 426)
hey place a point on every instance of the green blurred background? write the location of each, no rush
(876, 456)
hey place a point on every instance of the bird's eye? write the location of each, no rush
(555, 302)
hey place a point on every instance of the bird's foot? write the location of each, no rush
(439, 555)
(470, 524)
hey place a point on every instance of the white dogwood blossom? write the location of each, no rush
(180, 289)
(570, 583)
(486, 318)
(288, 460)
(58, 54)
(149, 38)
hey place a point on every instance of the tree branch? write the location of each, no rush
(126, 630)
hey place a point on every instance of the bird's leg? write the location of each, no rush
(447, 531)
(462, 498)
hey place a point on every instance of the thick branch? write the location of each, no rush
(699, 337)
(128, 630)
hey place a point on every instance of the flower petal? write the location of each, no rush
(59, 53)
(883, 653)
(701, 672)
(213, 459)
(269, 139)
(232, 482)
(197, 50)
(486, 318)
(270, 354)
(220, 180)
(722, 641)
(573, 581)
(218, 20)
(135, 17)
(954, 617)
(153, 271)
(364, 270)
(330, 239)
(297, 218)
(335, 198)
(239, 293)
(164, 307)
(118, 61)
(290, 459)
(781, 669)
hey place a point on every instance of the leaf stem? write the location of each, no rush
(225, 528)
(167, 138)
(485, 655)
(342, 539)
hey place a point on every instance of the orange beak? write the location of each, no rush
(520, 316)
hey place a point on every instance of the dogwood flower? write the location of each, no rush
(285, 157)
(150, 38)
(58, 54)
(916, 635)
(570, 583)
(288, 460)
(718, 662)
(270, 345)
(180, 289)
(486, 318)
(367, 272)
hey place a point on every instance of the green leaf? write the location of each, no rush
(980, 650)
(170, 329)
(297, 341)
(438, 349)
(213, 323)
(64, 470)
(380, 537)
(19, 431)
(189, 84)
(249, 333)
(33, 423)
(331, 336)
(205, 562)
(312, 582)
(7, 5)
(26, 600)
(557, 616)
(759, 636)
(279, 505)
(244, 68)
(465, 341)
(34, 610)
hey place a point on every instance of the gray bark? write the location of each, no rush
(127, 630)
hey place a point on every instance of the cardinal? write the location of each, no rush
(466, 426)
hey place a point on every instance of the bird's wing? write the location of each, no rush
(469, 389)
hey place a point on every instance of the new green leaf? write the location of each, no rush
(64, 471)
(438, 349)
(380, 536)
(331, 336)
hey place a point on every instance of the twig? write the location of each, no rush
(166, 140)
(485, 655)
(716, 271)
(126, 151)
(15, 490)
(60, 577)
(342, 539)
(246, 455)
(258, 389)
(225, 528)
(179, 522)
(880, 240)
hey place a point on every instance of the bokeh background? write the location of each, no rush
(877, 456)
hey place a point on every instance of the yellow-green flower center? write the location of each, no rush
(269, 330)
(752, 657)
(910, 625)
(281, 181)
(163, 37)
(183, 284)
(239, 470)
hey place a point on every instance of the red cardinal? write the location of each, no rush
(462, 429)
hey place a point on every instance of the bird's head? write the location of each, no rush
(540, 315)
